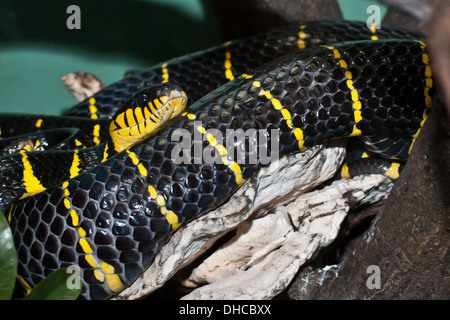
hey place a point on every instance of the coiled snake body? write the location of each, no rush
(112, 219)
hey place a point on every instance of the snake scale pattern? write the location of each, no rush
(303, 83)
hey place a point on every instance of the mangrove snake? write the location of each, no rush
(303, 84)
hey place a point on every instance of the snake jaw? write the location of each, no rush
(171, 106)
(177, 102)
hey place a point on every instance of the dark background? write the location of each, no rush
(36, 47)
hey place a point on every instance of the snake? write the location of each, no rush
(299, 85)
(69, 147)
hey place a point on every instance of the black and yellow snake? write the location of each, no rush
(302, 84)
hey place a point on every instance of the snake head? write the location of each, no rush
(144, 113)
(164, 100)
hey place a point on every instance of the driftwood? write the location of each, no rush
(265, 254)
(82, 84)
(261, 195)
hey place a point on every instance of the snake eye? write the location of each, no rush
(142, 100)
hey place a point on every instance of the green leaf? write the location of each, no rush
(8, 260)
(56, 287)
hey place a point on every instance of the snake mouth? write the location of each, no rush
(135, 124)
(167, 107)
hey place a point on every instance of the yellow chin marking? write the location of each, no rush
(139, 116)
(141, 123)
(130, 118)
(120, 120)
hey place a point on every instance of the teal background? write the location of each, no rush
(36, 48)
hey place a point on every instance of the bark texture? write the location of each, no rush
(409, 239)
